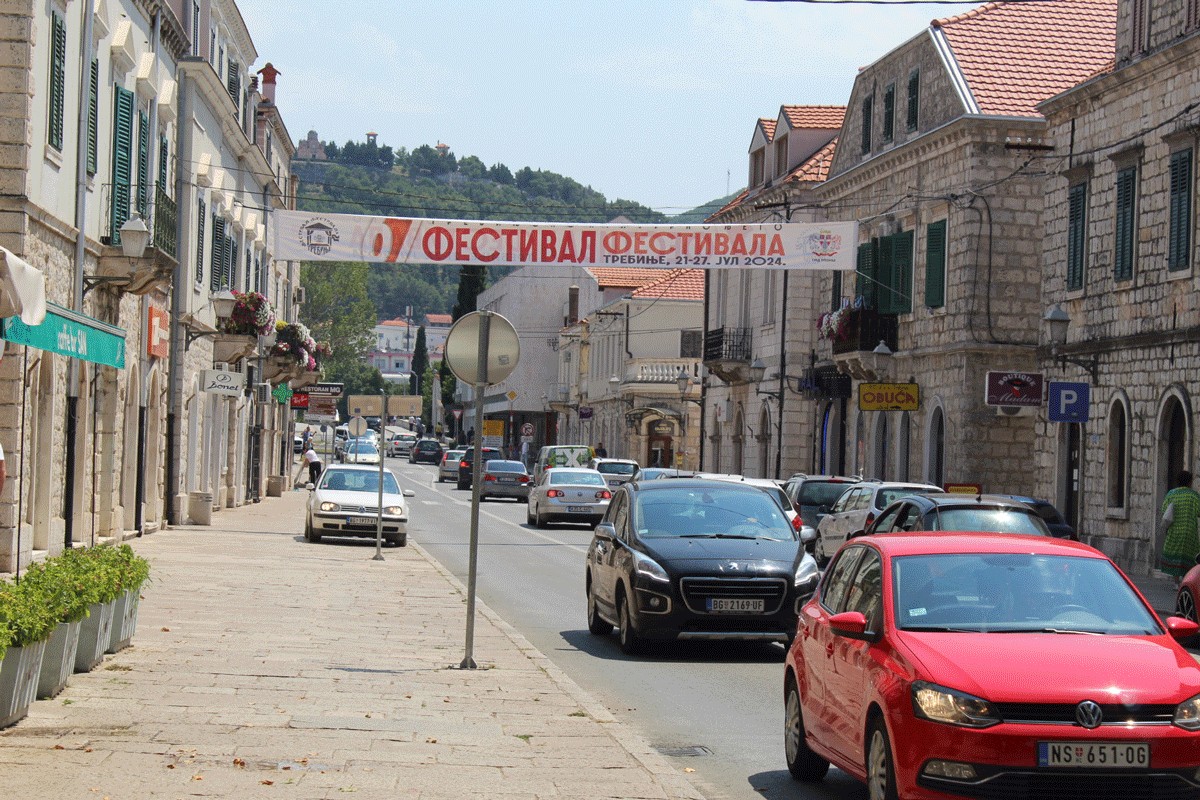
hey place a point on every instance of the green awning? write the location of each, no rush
(72, 334)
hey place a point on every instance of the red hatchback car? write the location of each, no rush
(1187, 599)
(990, 666)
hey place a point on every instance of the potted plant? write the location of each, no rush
(133, 571)
(252, 316)
(95, 634)
(294, 351)
(28, 621)
(64, 584)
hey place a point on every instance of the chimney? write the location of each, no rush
(268, 82)
(572, 305)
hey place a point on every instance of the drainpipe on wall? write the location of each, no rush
(183, 144)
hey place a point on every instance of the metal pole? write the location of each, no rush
(481, 383)
(379, 518)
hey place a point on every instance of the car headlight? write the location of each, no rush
(644, 565)
(328, 506)
(394, 511)
(807, 574)
(1187, 714)
(939, 704)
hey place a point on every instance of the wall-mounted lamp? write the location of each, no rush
(135, 236)
(1057, 322)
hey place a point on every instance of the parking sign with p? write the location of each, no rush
(1069, 402)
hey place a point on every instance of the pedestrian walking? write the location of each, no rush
(314, 464)
(600, 451)
(1180, 512)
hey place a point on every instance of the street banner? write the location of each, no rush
(308, 236)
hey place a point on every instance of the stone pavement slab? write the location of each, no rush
(267, 667)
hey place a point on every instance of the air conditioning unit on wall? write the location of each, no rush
(262, 392)
(1016, 411)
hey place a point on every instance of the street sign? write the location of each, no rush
(219, 381)
(511, 395)
(493, 427)
(457, 412)
(1014, 389)
(527, 429)
(326, 389)
(1069, 401)
(282, 393)
(585, 412)
(357, 426)
(888, 396)
(486, 335)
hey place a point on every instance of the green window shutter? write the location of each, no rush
(1124, 233)
(164, 149)
(143, 165)
(200, 219)
(93, 116)
(866, 283)
(885, 276)
(835, 295)
(914, 90)
(58, 79)
(889, 111)
(1076, 234)
(122, 164)
(230, 263)
(218, 253)
(232, 83)
(902, 272)
(867, 107)
(935, 264)
(1179, 236)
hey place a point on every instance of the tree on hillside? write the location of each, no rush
(420, 362)
(501, 174)
(472, 167)
(428, 162)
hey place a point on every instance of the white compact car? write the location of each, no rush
(565, 494)
(360, 451)
(345, 502)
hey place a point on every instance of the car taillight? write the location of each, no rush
(870, 518)
(489, 477)
(797, 523)
(555, 493)
(524, 479)
(464, 464)
(604, 494)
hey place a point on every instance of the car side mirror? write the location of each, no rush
(409, 493)
(607, 530)
(310, 486)
(851, 624)
(808, 534)
(1181, 628)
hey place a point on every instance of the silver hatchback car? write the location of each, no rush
(448, 467)
(502, 478)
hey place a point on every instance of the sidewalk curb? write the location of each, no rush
(669, 776)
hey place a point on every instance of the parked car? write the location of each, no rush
(561, 455)
(297, 444)
(401, 444)
(427, 451)
(615, 470)
(989, 665)
(654, 473)
(448, 468)
(695, 559)
(1187, 598)
(502, 478)
(345, 502)
(957, 512)
(857, 508)
(566, 494)
(814, 495)
(360, 451)
(1050, 515)
(774, 490)
(466, 462)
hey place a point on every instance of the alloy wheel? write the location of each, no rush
(1185, 604)
(791, 730)
(881, 783)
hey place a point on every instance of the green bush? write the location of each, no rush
(26, 613)
(132, 569)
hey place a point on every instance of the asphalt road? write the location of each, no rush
(715, 708)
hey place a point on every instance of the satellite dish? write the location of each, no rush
(495, 336)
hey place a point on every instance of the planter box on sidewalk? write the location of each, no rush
(58, 664)
(95, 635)
(124, 621)
(19, 673)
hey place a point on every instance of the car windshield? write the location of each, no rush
(888, 496)
(576, 477)
(617, 468)
(999, 520)
(361, 448)
(358, 480)
(504, 466)
(710, 513)
(821, 493)
(1016, 593)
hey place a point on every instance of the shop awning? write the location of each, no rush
(70, 333)
(22, 289)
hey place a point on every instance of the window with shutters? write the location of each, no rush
(122, 163)
(164, 165)
(212, 48)
(867, 108)
(1076, 234)
(200, 218)
(220, 66)
(691, 344)
(219, 249)
(195, 27)
(143, 165)
(233, 84)
(1137, 28)
(865, 281)
(1125, 233)
(248, 262)
(230, 263)
(1179, 234)
(58, 79)
(93, 116)
(1193, 15)
(893, 272)
(935, 264)
(914, 102)
(835, 291)
(269, 151)
(889, 111)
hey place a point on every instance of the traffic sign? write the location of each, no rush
(1069, 401)
(357, 426)
(527, 429)
(457, 413)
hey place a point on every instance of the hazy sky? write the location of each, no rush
(653, 101)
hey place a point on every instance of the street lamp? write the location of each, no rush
(134, 237)
(1057, 322)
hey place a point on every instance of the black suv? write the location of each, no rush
(465, 464)
(427, 451)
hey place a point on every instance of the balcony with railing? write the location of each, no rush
(858, 337)
(727, 353)
(154, 268)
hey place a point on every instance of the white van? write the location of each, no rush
(562, 455)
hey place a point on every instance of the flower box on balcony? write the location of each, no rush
(232, 348)
(863, 329)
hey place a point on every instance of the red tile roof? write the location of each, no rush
(732, 204)
(816, 168)
(820, 117)
(398, 322)
(439, 319)
(677, 284)
(768, 126)
(624, 277)
(1015, 55)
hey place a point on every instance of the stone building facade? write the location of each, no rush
(1120, 259)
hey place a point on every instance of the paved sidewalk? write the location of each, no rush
(267, 667)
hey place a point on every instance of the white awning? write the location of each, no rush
(22, 289)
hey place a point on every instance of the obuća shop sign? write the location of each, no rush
(1014, 389)
(888, 397)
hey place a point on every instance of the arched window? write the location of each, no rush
(1117, 455)
(902, 447)
(935, 471)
